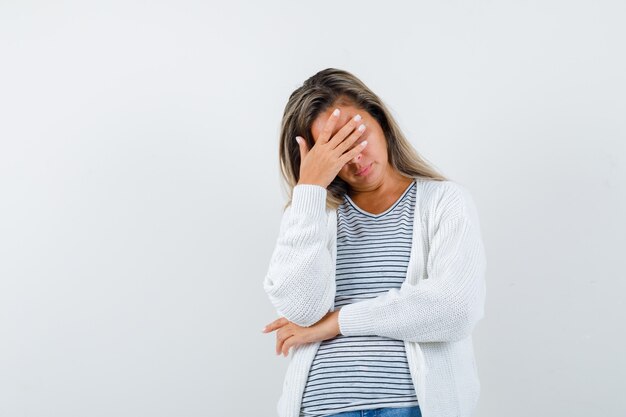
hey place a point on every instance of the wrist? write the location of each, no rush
(336, 322)
(304, 181)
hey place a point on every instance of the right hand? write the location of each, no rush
(321, 164)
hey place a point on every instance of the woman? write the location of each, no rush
(378, 271)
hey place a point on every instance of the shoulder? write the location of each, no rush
(446, 200)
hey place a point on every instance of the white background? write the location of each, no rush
(140, 193)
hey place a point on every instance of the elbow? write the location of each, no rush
(451, 319)
(306, 318)
(461, 329)
(470, 314)
(470, 310)
(301, 306)
(304, 314)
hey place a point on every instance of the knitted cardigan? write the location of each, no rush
(434, 312)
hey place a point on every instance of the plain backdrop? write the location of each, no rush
(140, 194)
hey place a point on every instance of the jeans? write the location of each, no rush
(384, 412)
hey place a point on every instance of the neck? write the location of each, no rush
(391, 183)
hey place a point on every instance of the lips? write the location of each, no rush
(363, 170)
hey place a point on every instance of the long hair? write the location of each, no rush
(333, 87)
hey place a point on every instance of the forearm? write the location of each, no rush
(443, 307)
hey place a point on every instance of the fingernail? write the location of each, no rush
(336, 112)
(298, 139)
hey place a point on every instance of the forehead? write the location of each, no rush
(347, 113)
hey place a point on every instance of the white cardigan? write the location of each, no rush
(434, 311)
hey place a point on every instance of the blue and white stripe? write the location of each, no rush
(352, 373)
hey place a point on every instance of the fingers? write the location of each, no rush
(343, 146)
(283, 343)
(279, 344)
(302, 145)
(275, 324)
(352, 153)
(327, 131)
(286, 347)
(285, 338)
(351, 125)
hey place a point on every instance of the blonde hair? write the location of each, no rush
(334, 87)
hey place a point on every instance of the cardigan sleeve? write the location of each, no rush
(300, 279)
(447, 304)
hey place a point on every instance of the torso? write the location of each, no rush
(372, 256)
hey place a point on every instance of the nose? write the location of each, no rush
(356, 158)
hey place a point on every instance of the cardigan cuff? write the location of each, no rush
(355, 319)
(309, 199)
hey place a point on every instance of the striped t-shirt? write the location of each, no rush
(352, 373)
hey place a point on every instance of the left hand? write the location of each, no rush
(289, 334)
